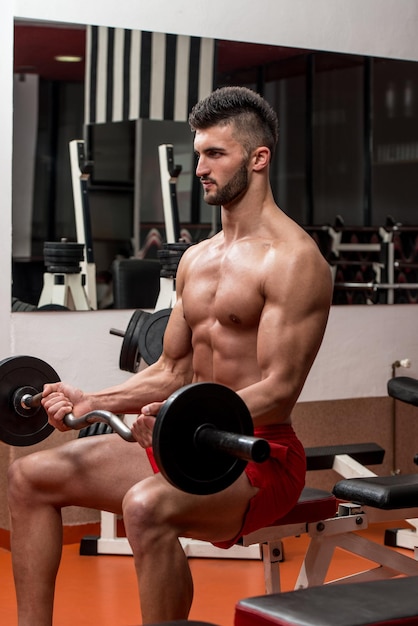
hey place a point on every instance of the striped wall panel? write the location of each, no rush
(133, 74)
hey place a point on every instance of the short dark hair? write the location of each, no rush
(254, 118)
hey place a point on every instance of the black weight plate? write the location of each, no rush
(52, 307)
(19, 306)
(63, 269)
(179, 245)
(130, 355)
(169, 254)
(61, 260)
(152, 335)
(64, 255)
(98, 428)
(168, 273)
(56, 246)
(32, 374)
(197, 469)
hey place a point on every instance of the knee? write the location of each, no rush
(144, 513)
(16, 483)
(22, 478)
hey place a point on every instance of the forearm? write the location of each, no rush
(153, 384)
(267, 404)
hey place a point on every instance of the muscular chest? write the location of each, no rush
(223, 289)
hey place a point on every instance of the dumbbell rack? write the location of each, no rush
(384, 269)
(65, 290)
(64, 282)
(167, 295)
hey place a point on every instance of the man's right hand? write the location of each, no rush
(59, 399)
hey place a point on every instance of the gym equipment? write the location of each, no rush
(169, 257)
(130, 357)
(376, 260)
(143, 338)
(192, 452)
(63, 256)
(79, 180)
(19, 306)
(328, 531)
(169, 174)
(151, 336)
(390, 492)
(376, 603)
(23, 426)
(201, 412)
(145, 331)
(99, 428)
(23, 420)
(63, 281)
(405, 389)
(135, 283)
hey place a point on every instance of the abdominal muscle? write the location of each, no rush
(230, 361)
(225, 356)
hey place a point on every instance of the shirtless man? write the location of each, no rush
(252, 306)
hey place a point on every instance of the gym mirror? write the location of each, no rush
(344, 168)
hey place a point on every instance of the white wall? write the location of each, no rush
(361, 342)
(384, 28)
(360, 345)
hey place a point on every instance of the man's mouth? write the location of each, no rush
(206, 184)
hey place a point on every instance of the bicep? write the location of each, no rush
(292, 324)
(177, 342)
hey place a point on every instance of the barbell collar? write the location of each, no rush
(241, 446)
(27, 401)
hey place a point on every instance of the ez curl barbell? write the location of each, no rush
(202, 438)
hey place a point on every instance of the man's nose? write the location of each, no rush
(202, 168)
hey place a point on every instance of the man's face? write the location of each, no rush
(222, 166)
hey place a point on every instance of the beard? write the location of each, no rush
(231, 190)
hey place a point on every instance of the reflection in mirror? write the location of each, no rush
(344, 169)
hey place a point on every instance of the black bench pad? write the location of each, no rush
(322, 457)
(381, 492)
(404, 388)
(376, 603)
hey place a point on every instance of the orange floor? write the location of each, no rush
(101, 590)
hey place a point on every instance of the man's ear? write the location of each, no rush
(261, 158)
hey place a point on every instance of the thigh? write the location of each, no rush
(94, 472)
(215, 517)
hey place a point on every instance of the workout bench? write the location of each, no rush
(376, 603)
(328, 528)
(367, 602)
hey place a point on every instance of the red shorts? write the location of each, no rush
(279, 480)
